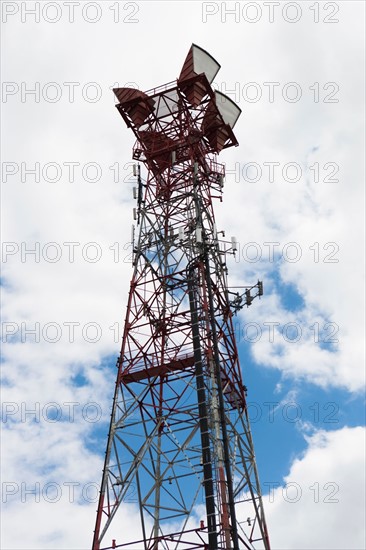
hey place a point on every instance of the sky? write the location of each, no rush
(293, 198)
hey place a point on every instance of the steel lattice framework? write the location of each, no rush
(179, 439)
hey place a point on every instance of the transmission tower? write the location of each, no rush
(180, 450)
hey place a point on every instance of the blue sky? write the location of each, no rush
(67, 194)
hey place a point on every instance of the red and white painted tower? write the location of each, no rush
(179, 437)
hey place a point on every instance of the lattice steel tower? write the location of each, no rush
(179, 442)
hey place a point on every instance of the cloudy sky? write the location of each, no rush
(294, 199)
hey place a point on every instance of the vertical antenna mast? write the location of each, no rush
(179, 441)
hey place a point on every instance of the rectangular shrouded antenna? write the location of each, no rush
(229, 110)
(203, 62)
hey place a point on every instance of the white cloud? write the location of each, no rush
(320, 504)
